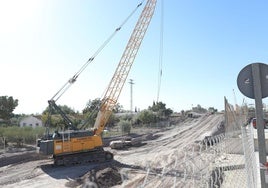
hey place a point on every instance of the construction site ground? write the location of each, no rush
(26, 168)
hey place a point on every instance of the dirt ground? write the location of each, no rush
(28, 169)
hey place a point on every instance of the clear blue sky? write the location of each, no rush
(206, 44)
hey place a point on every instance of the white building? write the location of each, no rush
(30, 121)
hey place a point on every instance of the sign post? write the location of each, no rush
(251, 81)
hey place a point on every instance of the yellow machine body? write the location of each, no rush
(75, 145)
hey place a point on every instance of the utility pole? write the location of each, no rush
(131, 94)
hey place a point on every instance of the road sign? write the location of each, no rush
(245, 80)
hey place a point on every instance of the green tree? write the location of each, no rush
(199, 109)
(92, 105)
(212, 110)
(118, 108)
(91, 112)
(90, 118)
(160, 109)
(53, 118)
(157, 106)
(147, 116)
(64, 108)
(7, 106)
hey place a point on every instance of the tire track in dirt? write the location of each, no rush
(14, 173)
(162, 153)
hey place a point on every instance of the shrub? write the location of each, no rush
(125, 126)
(147, 116)
(21, 135)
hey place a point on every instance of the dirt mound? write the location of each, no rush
(108, 177)
(103, 177)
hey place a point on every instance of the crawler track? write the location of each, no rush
(95, 156)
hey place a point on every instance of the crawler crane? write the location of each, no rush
(76, 146)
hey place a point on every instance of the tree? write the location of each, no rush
(57, 121)
(147, 116)
(212, 110)
(92, 105)
(118, 108)
(91, 112)
(158, 106)
(53, 118)
(64, 108)
(160, 109)
(7, 106)
(199, 109)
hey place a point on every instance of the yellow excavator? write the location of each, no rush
(80, 146)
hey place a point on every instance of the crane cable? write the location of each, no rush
(66, 86)
(160, 50)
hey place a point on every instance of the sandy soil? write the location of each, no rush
(130, 165)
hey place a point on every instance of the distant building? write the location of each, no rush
(30, 121)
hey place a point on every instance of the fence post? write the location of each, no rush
(36, 142)
(4, 145)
